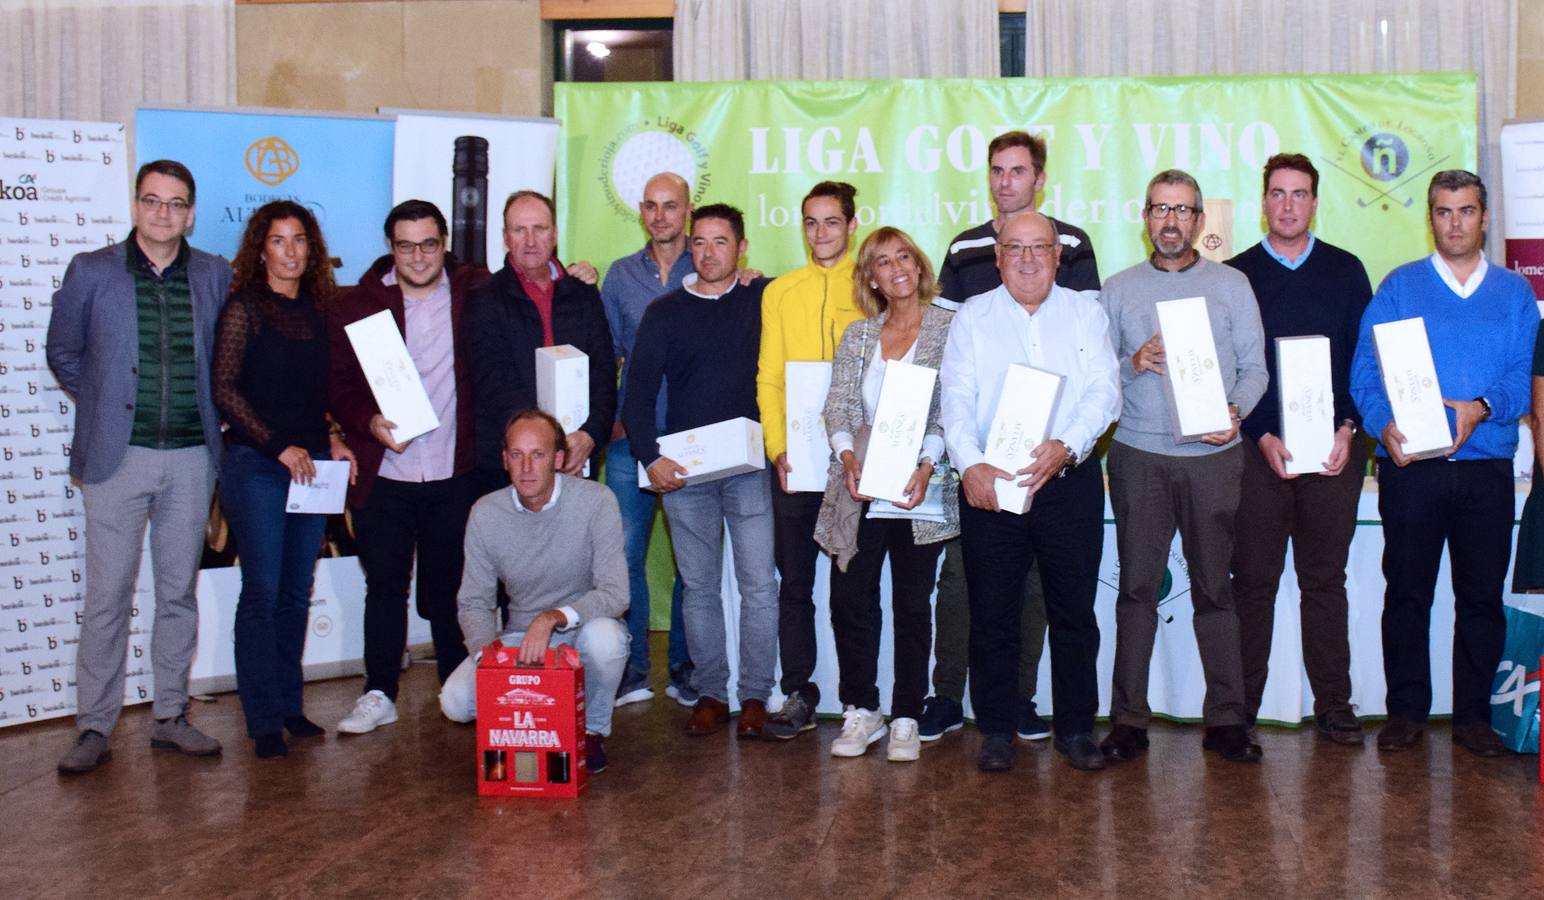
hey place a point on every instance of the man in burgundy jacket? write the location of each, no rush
(410, 497)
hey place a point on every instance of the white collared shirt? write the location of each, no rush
(557, 491)
(1467, 289)
(1068, 335)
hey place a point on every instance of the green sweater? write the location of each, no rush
(567, 554)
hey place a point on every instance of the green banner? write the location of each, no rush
(916, 150)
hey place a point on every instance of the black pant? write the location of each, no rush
(856, 616)
(795, 551)
(1468, 505)
(1318, 514)
(1064, 533)
(402, 516)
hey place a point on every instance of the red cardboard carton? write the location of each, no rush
(530, 724)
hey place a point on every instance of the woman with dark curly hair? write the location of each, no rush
(270, 385)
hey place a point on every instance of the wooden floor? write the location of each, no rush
(393, 814)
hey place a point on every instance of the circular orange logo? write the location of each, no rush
(271, 160)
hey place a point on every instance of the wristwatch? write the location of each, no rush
(1072, 458)
(1485, 403)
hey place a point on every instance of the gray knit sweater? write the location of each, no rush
(568, 554)
(1130, 297)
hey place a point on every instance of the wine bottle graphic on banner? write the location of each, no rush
(469, 189)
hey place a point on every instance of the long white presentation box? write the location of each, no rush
(730, 447)
(394, 380)
(563, 384)
(1307, 398)
(900, 423)
(1410, 380)
(805, 385)
(1026, 407)
(1200, 403)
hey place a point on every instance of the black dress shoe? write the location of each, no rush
(302, 727)
(1478, 738)
(1340, 726)
(1124, 743)
(271, 746)
(1232, 743)
(1081, 751)
(996, 753)
(1399, 734)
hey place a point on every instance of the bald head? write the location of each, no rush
(665, 208)
(1027, 256)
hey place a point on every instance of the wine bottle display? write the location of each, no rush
(469, 190)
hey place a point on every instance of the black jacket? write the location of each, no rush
(501, 331)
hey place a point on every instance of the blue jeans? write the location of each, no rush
(698, 514)
(277, 552)
(637, 508)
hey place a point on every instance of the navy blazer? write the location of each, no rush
(93, 349)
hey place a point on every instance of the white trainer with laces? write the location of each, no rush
(905, 742)
(860, 727)
(371, 711)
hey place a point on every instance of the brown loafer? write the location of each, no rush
(709, 716)
(753, 718)
(1400, 734)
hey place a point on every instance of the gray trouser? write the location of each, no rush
(951, 640)
(697, 514)
(169, 489)
(1152, 495)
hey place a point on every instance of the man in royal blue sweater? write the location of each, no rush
(1481, 321)
(701, 342)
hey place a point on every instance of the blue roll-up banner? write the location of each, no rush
(338, 166)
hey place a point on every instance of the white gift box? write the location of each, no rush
(804, 401)
(900, 423)
(563, 384)
(1410, 380)
(393, 379)
(731, 447)
(1022, 421)
(1307, 399)
(1200, 403)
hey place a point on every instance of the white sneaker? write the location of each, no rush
(371, 711)
(636, 695)
(860, 727)
(905, 743)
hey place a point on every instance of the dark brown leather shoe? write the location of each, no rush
(1478, 738)
(753, 718)
(709, 716)
(1400, 734)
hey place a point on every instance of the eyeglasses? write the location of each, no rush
(1014, 250)
(427, 246)
(150, 203)
(1181, 211)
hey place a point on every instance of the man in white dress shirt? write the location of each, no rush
(1031, 321)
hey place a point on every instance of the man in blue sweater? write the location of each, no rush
(1305, 286)
(700, 342)
(1481, 321)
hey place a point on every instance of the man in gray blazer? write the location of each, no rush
(130, 340)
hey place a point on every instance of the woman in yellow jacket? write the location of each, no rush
(803, 316)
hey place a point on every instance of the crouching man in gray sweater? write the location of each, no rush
(556, 543)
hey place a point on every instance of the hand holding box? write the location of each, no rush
(1200, 402)
(809, 449)
(394, 380)
(895, 438)
(1410, 381)
(731, 447)
(1307, 399)
(1026, 407)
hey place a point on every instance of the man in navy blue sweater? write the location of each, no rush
(1305, 286)
(1481, 321)
(700, 342)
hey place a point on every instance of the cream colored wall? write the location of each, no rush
(490, 56)
(1530, 59)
